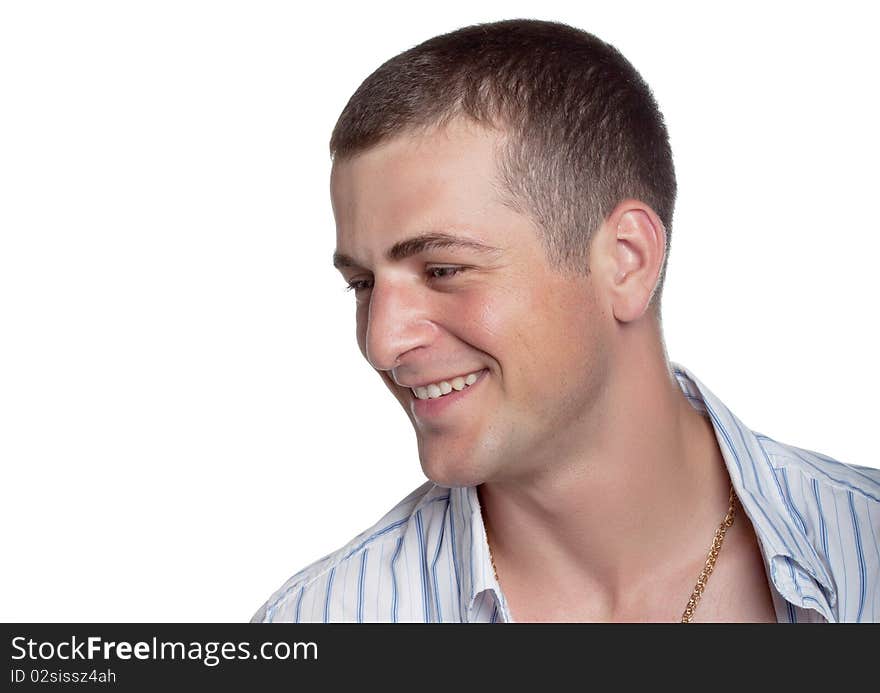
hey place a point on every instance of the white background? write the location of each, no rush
(185, 419)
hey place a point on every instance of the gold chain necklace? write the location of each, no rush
(688, 615)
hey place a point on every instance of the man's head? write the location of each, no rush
(540, 148)
(584, 130)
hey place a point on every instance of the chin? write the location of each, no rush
(451, 471)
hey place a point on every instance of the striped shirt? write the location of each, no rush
(817, 521)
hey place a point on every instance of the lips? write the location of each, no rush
(442, 388)
(434, 406)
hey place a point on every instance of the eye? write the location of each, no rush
(444, 272)
(357, 285)
(434, 273)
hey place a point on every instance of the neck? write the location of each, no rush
(630, 499)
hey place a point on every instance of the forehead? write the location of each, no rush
(437, 180)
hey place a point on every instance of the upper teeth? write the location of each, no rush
(444, 387)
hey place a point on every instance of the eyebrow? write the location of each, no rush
(417, 244)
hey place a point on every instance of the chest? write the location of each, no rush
(737, 592)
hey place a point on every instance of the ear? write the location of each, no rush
(633, 247)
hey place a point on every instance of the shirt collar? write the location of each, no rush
(792, 563)
(473, 563)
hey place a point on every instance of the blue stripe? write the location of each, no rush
(790, 503)
(437, 607)
(473, 548)
(346, 566)
(823, 530)
(821, 606)
(423, 566)
(384, 530)
(751, 459)
(792, 618)
(299, 601)
(380, 581)
(360, 603)
(454, 552)
(329, 592)
(775, 581)
(437, 499)
(841, 608)
(861, 557)
(797, 584)
(394, 580)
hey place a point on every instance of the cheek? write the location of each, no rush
(502, 323)
(537, 334)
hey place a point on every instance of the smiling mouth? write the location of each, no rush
(445, 387)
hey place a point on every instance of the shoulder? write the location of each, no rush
(821, 471)
(835, 506)
(285, 604)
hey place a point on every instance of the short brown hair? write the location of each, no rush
(583, 128)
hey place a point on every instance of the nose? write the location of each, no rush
(397, 321)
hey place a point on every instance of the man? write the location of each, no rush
(503, 197)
